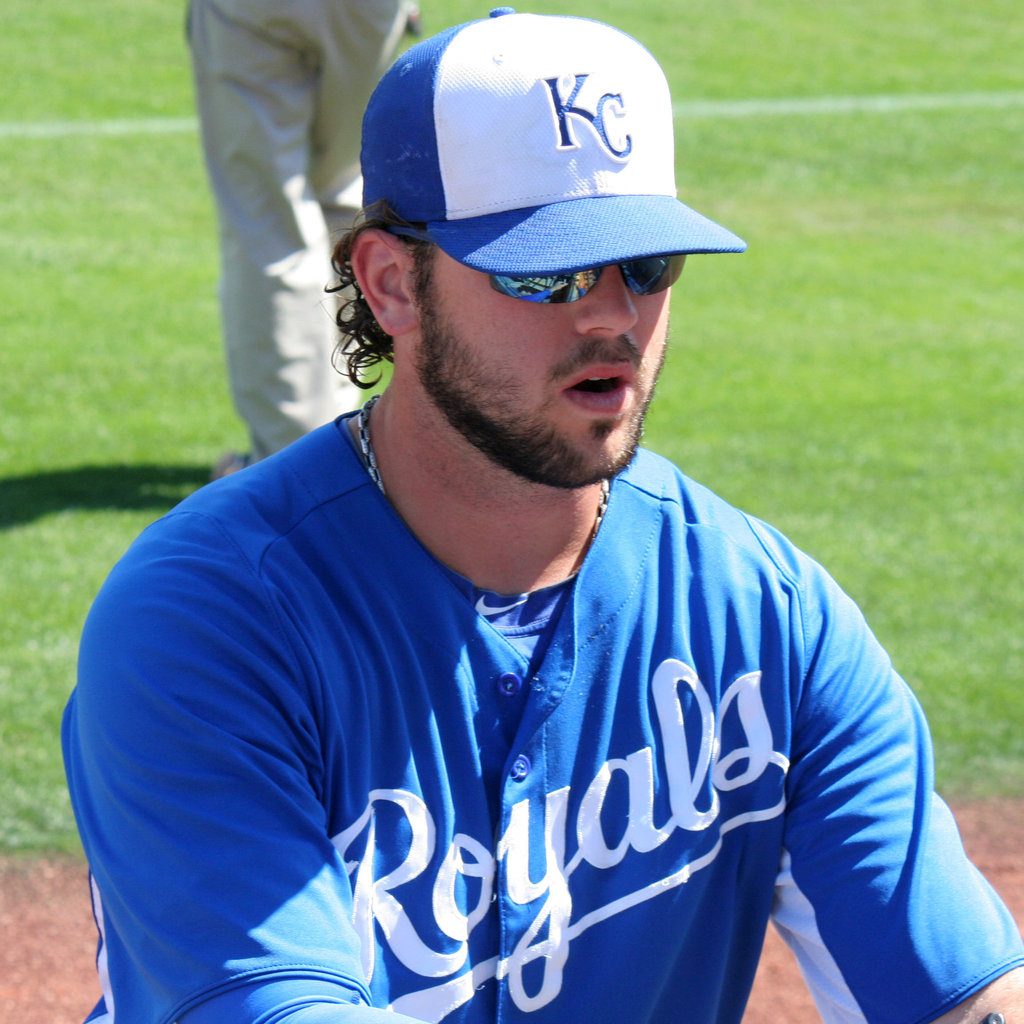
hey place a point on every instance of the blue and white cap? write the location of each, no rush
(532, 144)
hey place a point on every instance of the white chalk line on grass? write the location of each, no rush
(685, 109)
(845, 104)
(120, 126)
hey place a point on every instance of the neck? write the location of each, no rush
(502, 532)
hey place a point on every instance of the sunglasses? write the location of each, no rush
(647, 276)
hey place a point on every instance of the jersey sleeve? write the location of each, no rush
(875, 873)
(192, 748)
(295, 1000)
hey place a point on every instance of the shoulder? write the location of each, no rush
(247, 517)
(276, 496)
(247, 540)
(216, 583)
(681, 537)
(683, 504)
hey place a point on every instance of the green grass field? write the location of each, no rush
(856, 377)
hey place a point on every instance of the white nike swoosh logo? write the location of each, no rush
(485, 609)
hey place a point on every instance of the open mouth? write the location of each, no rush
(598, 385)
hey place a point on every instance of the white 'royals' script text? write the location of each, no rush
(377, 908)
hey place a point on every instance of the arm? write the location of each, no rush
(880, 902)
(1005, 996)
(289, 1001)
(192, 756)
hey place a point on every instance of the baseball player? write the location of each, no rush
(465, 709)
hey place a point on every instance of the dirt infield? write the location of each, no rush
(47, 976)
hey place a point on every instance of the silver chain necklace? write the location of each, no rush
(367, 448)
(371, 462)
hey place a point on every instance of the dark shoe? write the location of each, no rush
(228, 463)
(413, 22)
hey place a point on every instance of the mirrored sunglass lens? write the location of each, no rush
(554, 288)
(647, 276)
(653, 274)
(530, 289)
(575, 285)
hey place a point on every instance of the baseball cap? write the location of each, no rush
(532, 144)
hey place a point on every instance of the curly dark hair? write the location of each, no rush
(363, 342)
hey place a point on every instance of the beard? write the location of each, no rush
(485, 407)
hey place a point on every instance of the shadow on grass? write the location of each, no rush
(26, 498)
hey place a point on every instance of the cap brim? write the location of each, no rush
(580, 233)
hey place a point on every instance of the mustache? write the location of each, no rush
(598, 350)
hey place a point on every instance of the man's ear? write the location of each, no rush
(383, 266)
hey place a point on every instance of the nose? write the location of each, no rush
(608, 306)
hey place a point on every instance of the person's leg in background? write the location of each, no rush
(373, 29)
(266, 75)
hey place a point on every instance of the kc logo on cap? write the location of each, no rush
(509, 87)
(607, 114)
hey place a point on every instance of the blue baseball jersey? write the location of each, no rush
(314, 783)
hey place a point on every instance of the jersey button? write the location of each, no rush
(509, 684)
(520, 768)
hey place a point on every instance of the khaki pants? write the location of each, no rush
(280, 89)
